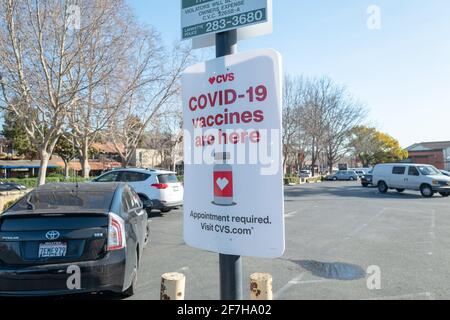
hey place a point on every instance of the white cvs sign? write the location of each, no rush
(233, 201)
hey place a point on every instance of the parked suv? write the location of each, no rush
(366, 179)
(305, 174)
(159, 187)
(420, 177)
(349, 175)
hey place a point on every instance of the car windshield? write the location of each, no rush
(54, 200)
(429, 171)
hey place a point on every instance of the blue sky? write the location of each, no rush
(401, 72)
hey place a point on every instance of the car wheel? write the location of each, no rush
(444, 194)
(165, 210)
(352, 179)
(382, 187)
(132, 289)
(334, 179)
(426, 191)
(400, 190)
(365, 185)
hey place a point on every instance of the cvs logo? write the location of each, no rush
(222, 78)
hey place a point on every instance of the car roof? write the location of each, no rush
(144, 170)
(85, 187)
(100, 204)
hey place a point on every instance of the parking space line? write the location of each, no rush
(291, 283)
(359, 229)
(428, 295)
(290, 214)
(312, 281)
(183, 269)
(405, 210)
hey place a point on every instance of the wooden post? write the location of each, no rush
(261, 286)
(172, 286)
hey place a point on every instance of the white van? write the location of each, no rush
(402, 176)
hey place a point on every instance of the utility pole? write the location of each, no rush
(230, 266)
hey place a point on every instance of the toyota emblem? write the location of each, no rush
(52, 235)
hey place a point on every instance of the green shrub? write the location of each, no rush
(32, 182)
(55, 175)
(314, 179)
(9, 204)
(27, 182)
(291, 179)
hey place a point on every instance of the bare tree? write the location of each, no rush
(343, 113)
(313, 114)
(149, 100)
(290, 118)
(106, 60)
(170, 136)
(318, 116)
(37, 59)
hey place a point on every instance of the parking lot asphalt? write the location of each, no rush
(336, 232)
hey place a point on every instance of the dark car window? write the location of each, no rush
(135, 200)
(128, 176)
(412, 171)
(167, 178)
(398, 170)
(130, 200)
(126, 202)
(42, 200)
(108, 177)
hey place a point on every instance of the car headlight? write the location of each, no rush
(440, 183)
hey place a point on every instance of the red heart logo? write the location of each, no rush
(212, 80)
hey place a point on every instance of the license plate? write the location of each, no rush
(52, 249)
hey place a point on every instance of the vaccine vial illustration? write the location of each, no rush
(223, 180)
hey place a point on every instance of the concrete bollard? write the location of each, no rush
(172, 286)
(261, 286)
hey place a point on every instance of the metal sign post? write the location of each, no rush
(232, 111)
(230, 265)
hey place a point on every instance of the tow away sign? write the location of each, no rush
(233, 201)
(201, 17)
